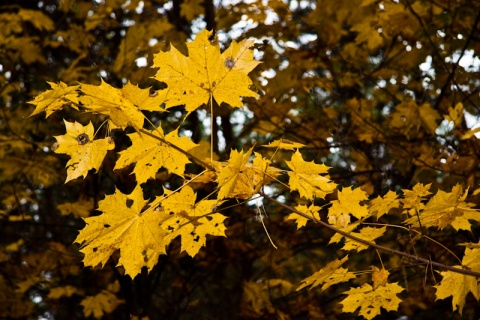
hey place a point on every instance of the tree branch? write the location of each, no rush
(371, 244)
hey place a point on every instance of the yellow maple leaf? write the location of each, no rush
(412, 199)
(191, 8)
(85, 152)
(329, 275)
(239, 56)
(367, 233)
(100, 304)
(205, 73)
(379, 277)
(445, 209)
(370, 300)
(284, 144)
(66, 291)
(301, 221)
(382, 205)
(123, 225)
(150, 154)
(144, 99)
(459, 285)
(55, 99)
(122, 106)
(189, 220)
(260, 294)
(80, 208)
(307, 179)
(337, 237)
(241, 179)
(455, 115)
(349, 203)
(203, 151)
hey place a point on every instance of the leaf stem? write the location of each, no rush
(211, 128)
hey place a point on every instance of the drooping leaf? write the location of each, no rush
(379, 277)
(367, 233)
(284, 144)
(329, 275)
(458, 285)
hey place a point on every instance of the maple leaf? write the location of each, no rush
(459, 285)
(367, 233)
(301, 221)
(240, 179)
(370, 300)
(412, 199)
(349, 202)
(305, 177)
(150, 154)
(144, 99)
(455, 115)
(80, 208)
(205, 73)
(189, 220)
(123, 225)
(85, 152)
(191, 8)
(445, 209)
(382, 205)
(66, 291)
(55, 99)
(284, 144)
(337, 237)
(122, 106)
(379, 277)
(329, 275)
(102, 303)
(261, 293)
